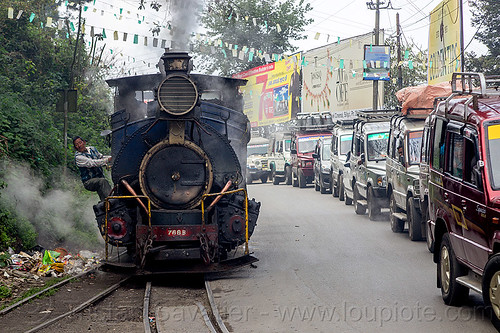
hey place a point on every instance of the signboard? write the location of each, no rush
(333, 78)
(377, 62)
(444, 42)
(272, 93)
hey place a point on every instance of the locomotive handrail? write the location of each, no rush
(204, 196)
(107, 209)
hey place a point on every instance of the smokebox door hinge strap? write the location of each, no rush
(176, 132)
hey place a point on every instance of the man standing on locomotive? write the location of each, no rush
(90, 162)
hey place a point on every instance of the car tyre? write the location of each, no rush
(491, 285)
(276, 181)
(288, 175)
(359, 209)
(302, 179)
(396, 224)
(448, 269)
(295, 180)
(340, 186)
(414, 221)
(373, 208)
(263, 179)
(335, 189)
(322, 188)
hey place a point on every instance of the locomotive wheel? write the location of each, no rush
(448, 269)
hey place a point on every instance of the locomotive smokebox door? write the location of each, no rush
(175, 176)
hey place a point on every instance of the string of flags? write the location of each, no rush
(205, 44)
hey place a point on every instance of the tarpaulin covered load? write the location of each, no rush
(420, 99)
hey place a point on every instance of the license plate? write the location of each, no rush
(177, 232)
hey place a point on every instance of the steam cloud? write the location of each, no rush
(184, 22)
(59, 217)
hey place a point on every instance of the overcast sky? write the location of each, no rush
(337, 18)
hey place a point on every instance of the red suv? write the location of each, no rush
(464, 192)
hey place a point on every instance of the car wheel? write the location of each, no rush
(396, 224)
(335, 189)
(340, 186)
(302, 179)
(448, 269)
(373, 207)
(414, 221)
(295, 180)
(491, 289)
(359, 209)
(288, 175)
(263, 179)
(322, 188)
(249, 180)
(428, 237)
(275, 179)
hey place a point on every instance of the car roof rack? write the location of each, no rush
(345, 122)
(375, 115)
(313, 122)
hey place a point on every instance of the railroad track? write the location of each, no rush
(166, 301)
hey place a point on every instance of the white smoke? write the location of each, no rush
(60, 216)
(185, 15)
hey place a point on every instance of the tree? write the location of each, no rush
(262, 25)
(414, 70)
(485, 18)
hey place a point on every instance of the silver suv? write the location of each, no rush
(366, 186)
(402, 166)
(279, 157)
(340, 145)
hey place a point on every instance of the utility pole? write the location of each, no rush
(377, 7)
(400, 69)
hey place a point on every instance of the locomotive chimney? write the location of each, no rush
(176, 62)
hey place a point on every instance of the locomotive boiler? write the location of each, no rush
(178, 142)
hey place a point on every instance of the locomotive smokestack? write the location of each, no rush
(176, 62)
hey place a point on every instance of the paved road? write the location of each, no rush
(322, 268)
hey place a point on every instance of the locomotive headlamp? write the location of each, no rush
(177, 94)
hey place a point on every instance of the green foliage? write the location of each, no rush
(410, 77)
(15, 231)
(220, 21)
(5, 291)
(485, 18)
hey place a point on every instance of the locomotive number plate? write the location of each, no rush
(177, 232)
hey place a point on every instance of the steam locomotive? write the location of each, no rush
(178, 141)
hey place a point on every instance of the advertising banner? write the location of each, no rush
(377, 63)
(272, 93)
(444, 42)
(333, 78)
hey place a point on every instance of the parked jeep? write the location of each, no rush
(340, 145)
(402, 171)
(366, 185)
(308, 129)
(279, 157)
(322, 165)
(257, 163)
(464, 192)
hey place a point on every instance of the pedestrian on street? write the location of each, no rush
(90, 162)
